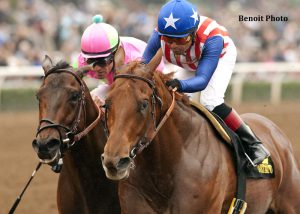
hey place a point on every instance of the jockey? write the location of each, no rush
(104, 50)
(201, 46)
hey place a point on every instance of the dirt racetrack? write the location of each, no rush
(18, 160)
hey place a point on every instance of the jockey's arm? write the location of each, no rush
(152, 47)
(206, 67)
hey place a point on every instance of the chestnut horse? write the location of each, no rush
(186, 168)
(70, 127)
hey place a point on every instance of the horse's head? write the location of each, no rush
(61, 110)
(134, 107)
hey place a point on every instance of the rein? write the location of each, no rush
(148, 138)
(72, 135)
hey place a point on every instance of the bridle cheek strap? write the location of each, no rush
(81, 134)
(145, 141)
(151, 136)
(72, 135)
(148, 138)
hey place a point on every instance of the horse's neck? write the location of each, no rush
(157, 165)
(167, 147)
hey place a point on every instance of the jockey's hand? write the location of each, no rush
(174, 84)
(98, 101)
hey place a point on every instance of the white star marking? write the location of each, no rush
(194, 16)
(171, 21)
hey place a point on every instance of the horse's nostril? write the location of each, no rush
(124, 163)
(53, 144)
(35, 145)
(102, 157)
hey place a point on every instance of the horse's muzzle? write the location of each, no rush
(116, 168)
(47, 149)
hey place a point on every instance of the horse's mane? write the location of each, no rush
(165, 77)
(139, 68)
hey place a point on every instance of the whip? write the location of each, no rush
(15, 205)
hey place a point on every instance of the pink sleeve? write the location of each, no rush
(134, 49)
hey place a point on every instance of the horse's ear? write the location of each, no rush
(81, 72)
(47, 64)
(154, 63)
(119, 57)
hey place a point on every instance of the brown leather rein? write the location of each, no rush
(71, 133)
(148, 138)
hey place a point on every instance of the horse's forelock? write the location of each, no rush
(61, 65)
(136, 67)
(58, 81)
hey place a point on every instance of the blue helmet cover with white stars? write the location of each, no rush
(178, 18)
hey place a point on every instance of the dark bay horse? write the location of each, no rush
(70, 127)
(185, 169)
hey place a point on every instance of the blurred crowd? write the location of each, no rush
(29, 29)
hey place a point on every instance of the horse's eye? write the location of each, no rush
(38, 95)
(107, 104)
(74, 96)
(144, 105)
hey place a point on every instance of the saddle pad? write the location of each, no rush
(211, 118)
(264, 170)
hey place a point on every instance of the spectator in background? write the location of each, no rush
(57, 28)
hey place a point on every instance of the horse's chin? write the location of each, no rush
(117, 175)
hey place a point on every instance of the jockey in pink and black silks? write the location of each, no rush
(207, 54)
(104, 50)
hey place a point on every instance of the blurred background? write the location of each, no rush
(266, 78)
(32, 28)
(29, 28)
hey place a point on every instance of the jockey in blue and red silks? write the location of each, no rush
(201, 46)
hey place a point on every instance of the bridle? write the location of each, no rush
(71, 133)
(148, 137)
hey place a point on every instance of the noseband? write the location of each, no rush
(71, 133)
(148, 137)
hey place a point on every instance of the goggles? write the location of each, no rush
(177, 41)
(102, 62)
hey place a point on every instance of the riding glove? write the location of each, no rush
(174, 83)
